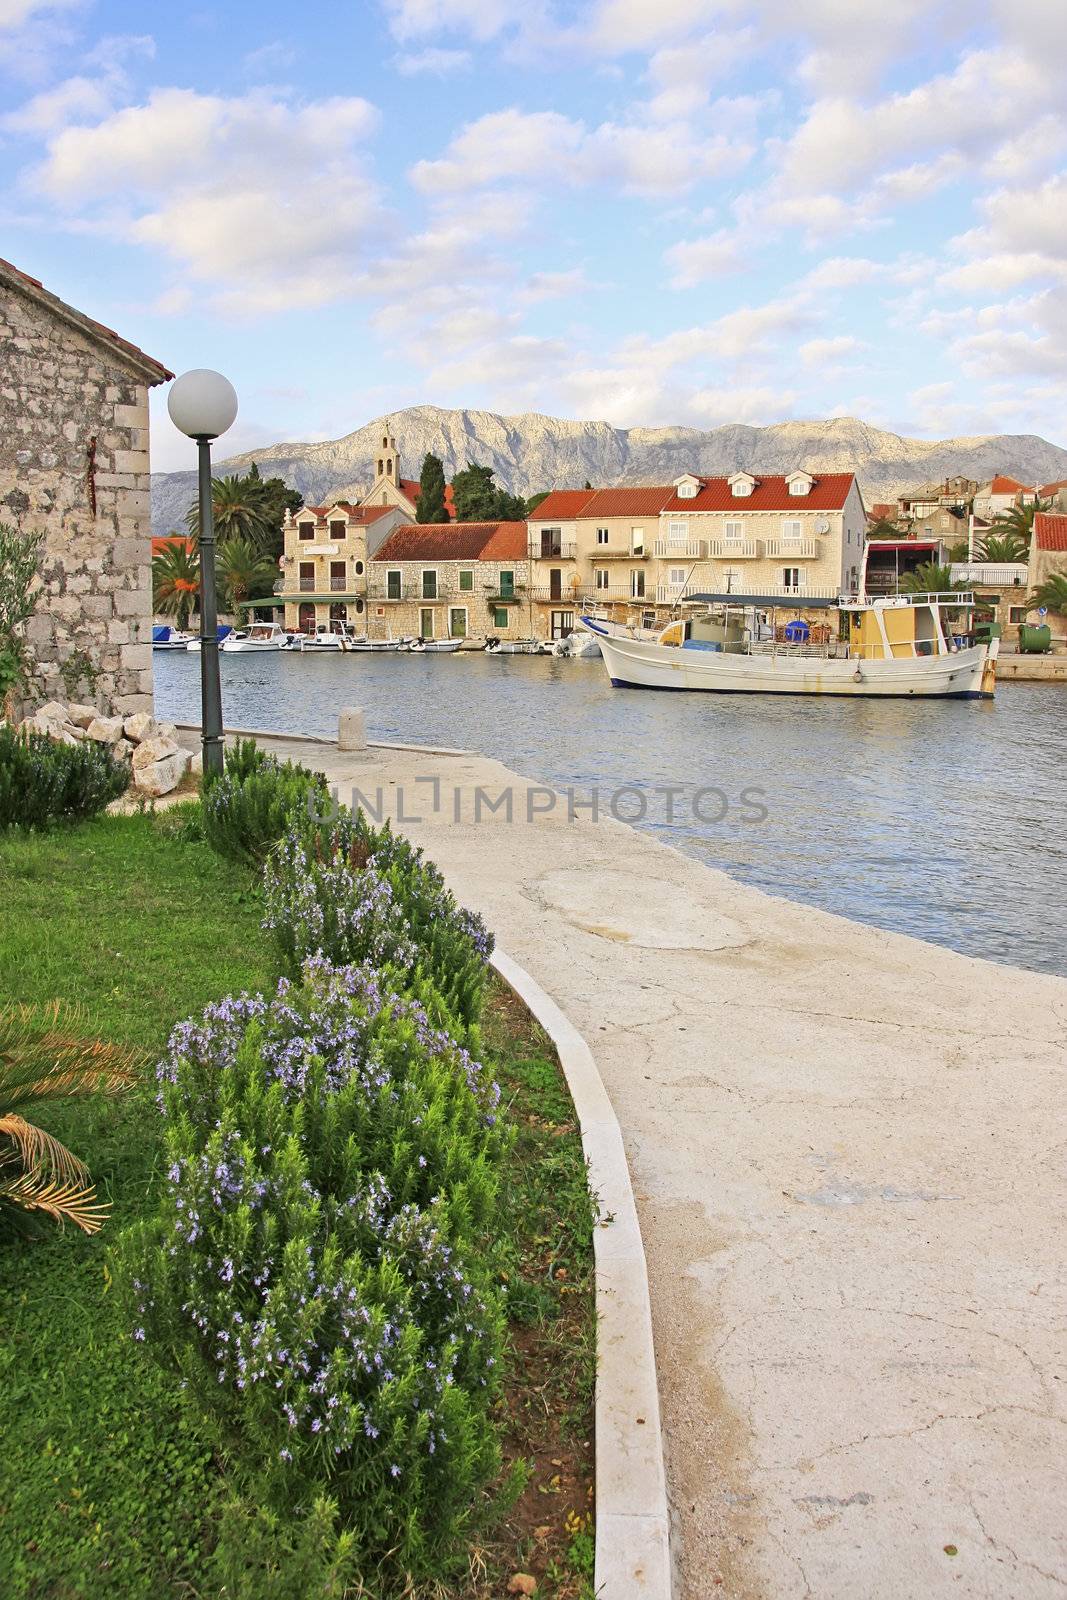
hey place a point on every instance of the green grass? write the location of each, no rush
(107, 1487)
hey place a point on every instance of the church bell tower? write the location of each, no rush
(388, 458)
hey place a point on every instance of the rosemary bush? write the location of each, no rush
(356, 893)
(42, 782)
(322, 1268)
(250, 806)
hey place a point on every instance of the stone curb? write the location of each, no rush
(633, 1558)
(323, 738)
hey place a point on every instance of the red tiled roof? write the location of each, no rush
(362, 514)
(1050, 531)
(628, 502)
(827, 493)
(88, 325)
(561, 505)
(1052, 488)
(1002, 485)
(441, 541)
(508, 543)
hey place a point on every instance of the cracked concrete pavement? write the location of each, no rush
(847, 1151)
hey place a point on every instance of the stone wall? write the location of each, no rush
(74, 423)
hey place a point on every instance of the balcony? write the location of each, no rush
(564, 550)
(668, 595)
(795, 549)
(680, 550)
(1010, 575)
(565, 596)
(614, 594)
(603, 552)
(735, 549)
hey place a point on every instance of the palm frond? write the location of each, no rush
(36, 1149)
(43, 1056)
(61, 1199)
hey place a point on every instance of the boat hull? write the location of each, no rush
(639, 664)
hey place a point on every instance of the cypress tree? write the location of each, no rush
(430, 506)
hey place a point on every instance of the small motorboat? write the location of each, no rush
(330, 636)
(164, 638)
(574, 645)
(260, 636)
(512, 647)
(365, 646)
(439, 647)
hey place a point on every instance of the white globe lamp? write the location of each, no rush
(202, 403)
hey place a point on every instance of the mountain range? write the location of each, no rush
(531, 452)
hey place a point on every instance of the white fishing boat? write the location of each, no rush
(905, 645)
(366, 646)
(331, 635)
(259, 636)
(512, 647)
(437, 647)
(165, 638)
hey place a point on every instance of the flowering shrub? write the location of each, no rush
(355, 893)
(250, 806)
(42, 783)
(322, 1267)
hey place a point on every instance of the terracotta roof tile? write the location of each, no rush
(1050, 531)
(827, 493)
(440, 541)
(625, 502)
(1048, 489)
(88, 324)
(561, 505)
(1002, 485)
(364, 514)
(508, 543)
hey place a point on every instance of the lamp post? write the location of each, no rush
(202, 405)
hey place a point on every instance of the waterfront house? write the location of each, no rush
(74, 465)
(461, 580)
(324, 563)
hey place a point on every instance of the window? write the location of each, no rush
(307, 530)
(338, 576)
(1016, 613)
(637, 583)
(337, 530)
(602, 536)
(792, 528)
(600, 577)
(500, 616)
(676, 577)
(790, 577)
(359, 569)
(466, 582)
(562, 624)
(394, 585)
(637, 541)
(507, 584)
(307, 577)
(799, 486)
(687, 491)
(457, 622)
(677, 532)
(426, 623)
(742, 487)
(733, 532)
(429, 583)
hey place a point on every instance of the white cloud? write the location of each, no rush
(436, 63)
(681, 75)
(830, 352)
(480, 19)
(267, 201)
(16, 13)
(554, 286)
(718, 255)
(503, 144)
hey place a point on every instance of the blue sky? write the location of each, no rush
(648, 211)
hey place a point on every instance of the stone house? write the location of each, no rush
(324, 563)
(467, 580)
(74, 464)
(1048, 556)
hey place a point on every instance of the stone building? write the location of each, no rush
(74, 464)
(460, 580)
(324, 564)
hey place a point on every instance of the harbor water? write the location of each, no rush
(942, 819)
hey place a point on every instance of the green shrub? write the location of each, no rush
(249, 807)
(355, 893)
(323, 1269)
(43, 783)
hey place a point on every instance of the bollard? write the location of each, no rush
(352, 729)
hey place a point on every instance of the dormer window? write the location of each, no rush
(687, 491)
(307, 530)
(800, 482)
(688, 486)
(337, 530)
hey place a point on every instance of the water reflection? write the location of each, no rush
(938, 818)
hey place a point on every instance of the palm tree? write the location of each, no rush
(244, 571)
(1020, 520)
(929, 578)
(1052, 594)
(238, 509)
(1009, 547)
(176, 579)
(43, 1057)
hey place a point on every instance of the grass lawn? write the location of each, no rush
(106, 1486)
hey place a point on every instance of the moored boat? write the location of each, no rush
(439, 647)
(260, 636)
(165, 638)
(331, 635)
(906, 645)
(512, 647)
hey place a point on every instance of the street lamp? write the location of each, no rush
(203, 404)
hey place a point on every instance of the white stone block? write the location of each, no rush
(160, 777)
(352, 729)
(141, 726)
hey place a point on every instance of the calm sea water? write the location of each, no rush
(937, 818)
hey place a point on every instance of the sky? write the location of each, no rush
(650, 212)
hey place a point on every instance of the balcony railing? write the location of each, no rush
(679, 550)
(565, 596)
(380, 591)
(307, 585)
(1009, 575)
(785, 549)
(563, 551)
(668, 594)
(735, 549)
(609, 596)
(604, 553)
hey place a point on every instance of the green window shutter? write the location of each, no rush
(466, 582)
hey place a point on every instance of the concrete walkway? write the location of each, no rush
(846, 1147)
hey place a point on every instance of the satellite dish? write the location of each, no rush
(822, 526)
